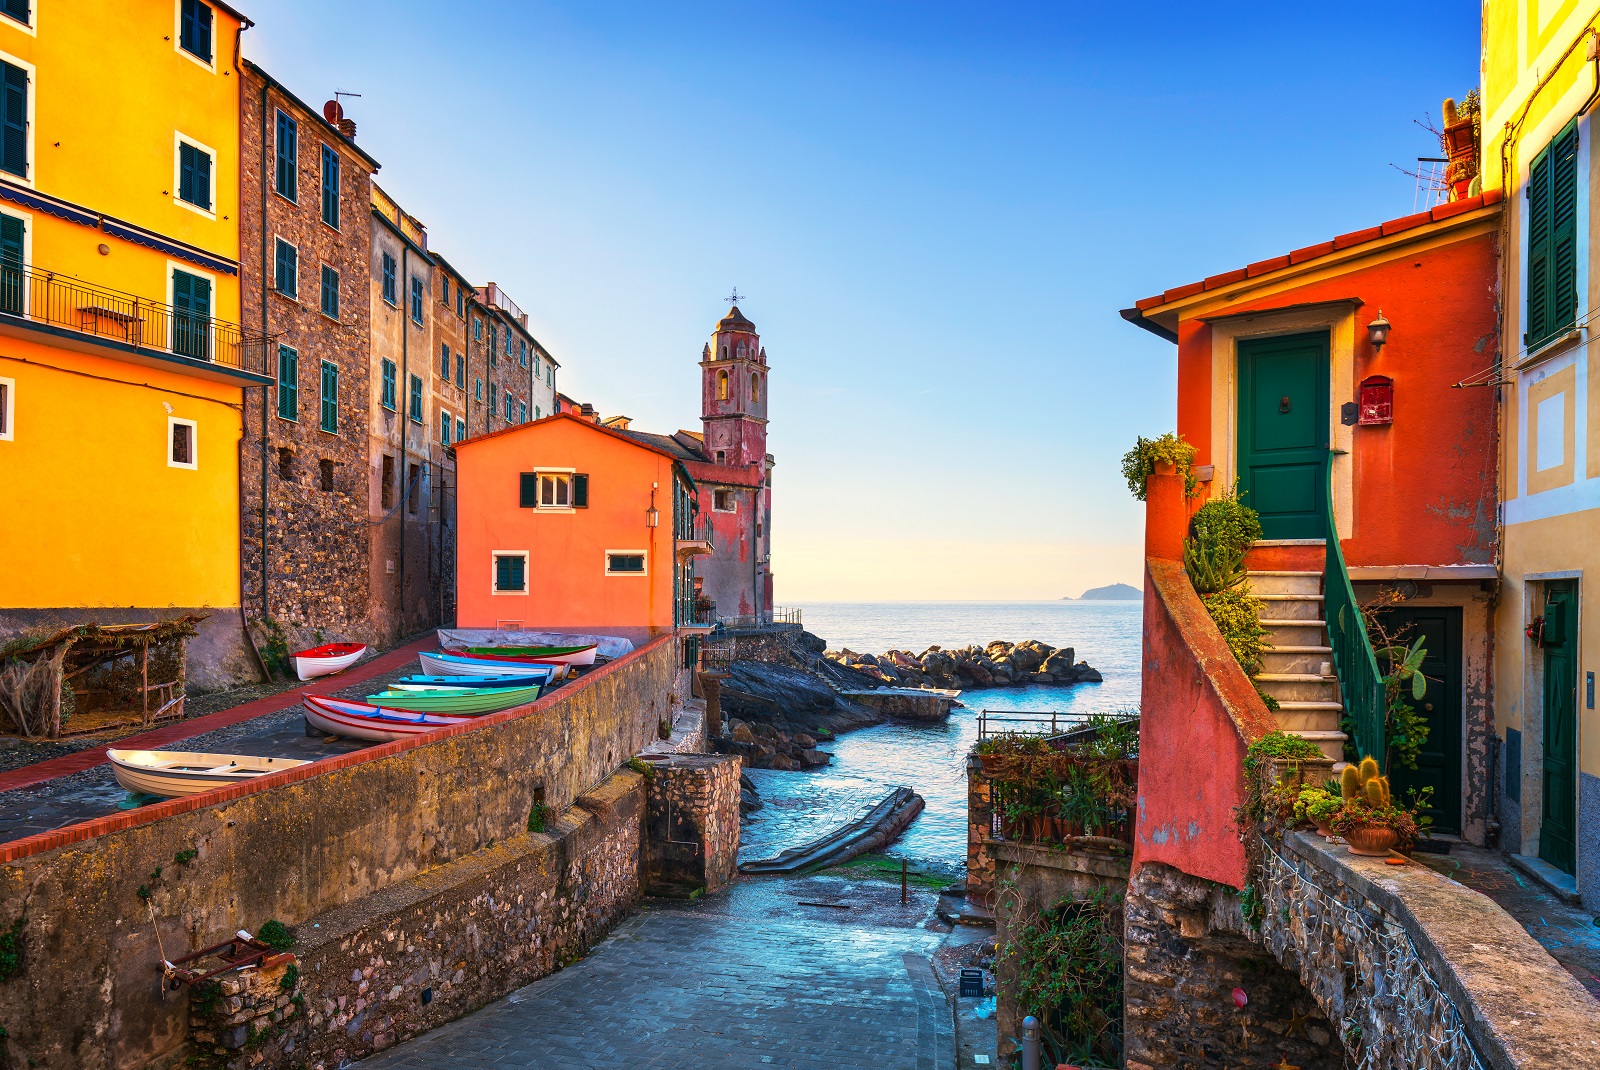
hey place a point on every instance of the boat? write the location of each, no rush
(175, 773)
(326, 659)
(557, 655)
(341, 717)
(444, 663)
(466, 700)
(470, 681)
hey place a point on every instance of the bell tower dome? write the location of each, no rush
(733, 392)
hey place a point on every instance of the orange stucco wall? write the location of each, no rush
(567, 582)
(1425, 484)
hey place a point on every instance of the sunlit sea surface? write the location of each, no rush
(931, 759)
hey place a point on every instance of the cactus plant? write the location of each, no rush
(1365, 782)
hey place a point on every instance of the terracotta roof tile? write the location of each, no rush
(1357, 237)
(1261, 267)
(1149, 302)
(1177, 293)
(1223, 279)
(1407, 222)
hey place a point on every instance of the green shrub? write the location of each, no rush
(539, 818)
(275, 934)
(1238, 618)
(1139, 462)
(1226, 523)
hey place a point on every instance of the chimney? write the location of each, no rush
(347, 127)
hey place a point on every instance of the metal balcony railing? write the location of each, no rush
(1360, 681)
(96, 311)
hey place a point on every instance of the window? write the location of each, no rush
(330, 292)
(288, 155)
(444, 428)
(625, 563)
(12, 281)
(194, 176)
(723, 501)
(413, 488)
(388, 385)
(1552, 238)
(494, 346)
(477, 389)
(510, 405)
(461, 429)
(553, 490)
(510, 572)
(330, 397)
(330, 187)
(386, 489)
(755, 388)
(536, 415)
(388, 280)
(722, 386)
(416, 399)
(286, 270)
(444, 289)
(722, 456)
(13, 119)
(522, 412)
(522, 352)
(461, 371)
(285, 464)
(326, 468)
(416, 299)
(8, 390)
(191, 315)
(444, 361)
(477, 329)
(550, 375)
(508, 342)
(288, 383)
(194, 29)
(17, 9)
(461, 306)
(536, 372)
(181, 451)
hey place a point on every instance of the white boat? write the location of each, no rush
(447, 664)
(174, 773)
(341, 717)
(326, 659)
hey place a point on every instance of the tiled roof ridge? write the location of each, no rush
(1321, 249)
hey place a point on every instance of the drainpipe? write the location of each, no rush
(405, 405)
(265, 604)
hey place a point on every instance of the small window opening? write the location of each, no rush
(182, 444)
(286, 464)
(387, 489)
(327, 473)
(413, 489)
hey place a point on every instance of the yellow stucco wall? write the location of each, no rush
(96, 515)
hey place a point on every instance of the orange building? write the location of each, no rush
(565, 524)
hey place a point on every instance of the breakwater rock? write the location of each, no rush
(1000, 664)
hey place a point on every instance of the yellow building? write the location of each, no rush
(1539, 91)
(122, 362)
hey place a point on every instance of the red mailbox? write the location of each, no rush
(1377, 400)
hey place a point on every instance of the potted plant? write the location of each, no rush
(1367, 818)
(1317, 806)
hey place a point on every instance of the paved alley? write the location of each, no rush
(746, 979)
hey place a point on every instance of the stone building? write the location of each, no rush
(305, 228)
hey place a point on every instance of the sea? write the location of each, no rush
(931, 759)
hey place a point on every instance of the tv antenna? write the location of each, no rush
(333, 110)
(735, 297)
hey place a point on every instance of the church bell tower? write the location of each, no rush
(733, 393)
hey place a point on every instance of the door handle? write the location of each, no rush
(1283, 404)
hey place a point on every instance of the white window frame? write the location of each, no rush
(494, 570)
(643, 554)
(180, 138)
(194, 443)
(28, 28)
(27, 249)
(715, 508)
(538, 489)
(177, 37)
(8, 411)
(445, 427)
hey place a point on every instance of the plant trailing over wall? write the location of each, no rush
(1067, 965)
(642, 767)
(275, 934)
(540, 817)
(1213, 556)
(1140, 462)
(1264, 801)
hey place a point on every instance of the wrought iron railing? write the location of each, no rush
(1026, 723)
(758, 620)
(1360, 682)
(691, 529)
(62, 301)
(714, 657)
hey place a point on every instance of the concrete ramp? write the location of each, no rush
(873, 831)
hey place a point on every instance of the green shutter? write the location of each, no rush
(288, 383)
(330, 187)
(13, 120)
(1552, 279)
(288, 154)
(528, 491)
(11, 232)
(330, 397)
(580, 491)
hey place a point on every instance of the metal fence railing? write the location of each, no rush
(63, 301)
(1026, 723)
(1360, 682)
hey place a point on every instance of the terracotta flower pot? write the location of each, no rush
(1322, 828)
(1372, 840)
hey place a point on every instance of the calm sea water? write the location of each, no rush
(931, 759)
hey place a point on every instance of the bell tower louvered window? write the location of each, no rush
(1552, 268)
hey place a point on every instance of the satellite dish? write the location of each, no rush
(333, 111)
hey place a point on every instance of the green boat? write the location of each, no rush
(475, 700)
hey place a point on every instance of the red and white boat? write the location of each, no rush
(341, 717)
(545, 655)
(326, 659)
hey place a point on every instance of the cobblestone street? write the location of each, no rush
(746, 979)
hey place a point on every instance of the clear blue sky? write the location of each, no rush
(936, 211)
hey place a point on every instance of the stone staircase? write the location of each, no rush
(1297, 668)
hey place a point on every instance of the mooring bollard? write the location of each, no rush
(1030, 1043)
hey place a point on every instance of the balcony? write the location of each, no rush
(693, 538)
(699, 615)
(34, 301)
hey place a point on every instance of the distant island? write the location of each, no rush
(1117, 592)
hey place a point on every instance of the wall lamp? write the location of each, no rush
(652, 515)
(1378, 331)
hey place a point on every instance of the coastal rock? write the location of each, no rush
(783, 761)
(1060, 662)
(996, 664)
(741, 732)
(812, 758)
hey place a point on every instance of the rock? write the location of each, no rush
(1088, 675)
(803, 740)
(1059, 663)
(1027, 656)
(813, 758)
(741, 733)
(1041, 678)
(981, 676)
(783, 761)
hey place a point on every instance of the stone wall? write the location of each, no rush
(777, 644)
(980, 833)
(292, 846)
(692, 824)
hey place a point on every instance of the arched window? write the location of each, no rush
(724, 351)
(722, 386)
(755, 388)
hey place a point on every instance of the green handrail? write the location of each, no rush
(1360, 682)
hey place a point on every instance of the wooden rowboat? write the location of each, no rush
(326, 659)
(445, 663)
(463, 701)
(341, 717)
(174, 773)
(556, 655)
(468, 681)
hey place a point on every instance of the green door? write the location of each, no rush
(1558, 830)
(1439, 762)
(191, 315)
(1283, 434)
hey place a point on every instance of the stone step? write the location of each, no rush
(1291, 606)
(1280, 582)
(1306, 720)
(1283, 633)
(1289, 687)
(1331, 743)
(1298, 659)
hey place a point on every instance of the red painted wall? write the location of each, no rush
(567, 582)
(1425, 484)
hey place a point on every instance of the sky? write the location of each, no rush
(935, 210)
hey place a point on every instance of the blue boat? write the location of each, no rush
(471, 681)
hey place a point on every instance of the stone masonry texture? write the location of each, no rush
(692, 824)
(312, 840)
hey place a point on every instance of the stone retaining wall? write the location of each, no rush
(292, 846)
(692, 824)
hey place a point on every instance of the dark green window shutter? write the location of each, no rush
(288, 383)
(580, 491)
(528, 491)
(388, 279)
(13, 120)
(11, 232)
(287, 269)
(194, 34)
(1552, 279)
(388, 384)
(508, 572)
(194, 176)
(288, 154)
(17, 9)
(416, 399)
(330, 292)
(330, 187)
(330, 397)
